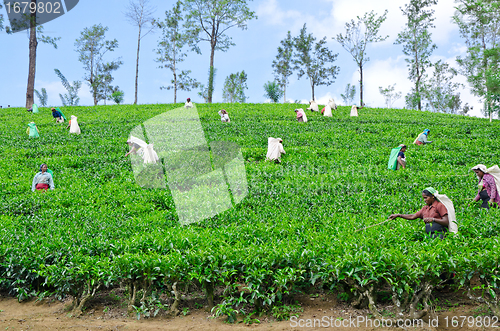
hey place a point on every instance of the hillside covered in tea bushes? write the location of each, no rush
(294, 232)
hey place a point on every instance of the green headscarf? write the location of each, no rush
(431, 190)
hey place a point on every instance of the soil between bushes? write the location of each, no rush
(107, 312)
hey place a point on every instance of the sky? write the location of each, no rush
(255, 49)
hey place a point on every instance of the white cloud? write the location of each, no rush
(383, 72)
(270, 12)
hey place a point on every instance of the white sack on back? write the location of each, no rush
(274, 149)
(150, 155)
(354, 111)
(313, 106)
(304, 117)
(328, 111)
(452, 219)
(74, 128)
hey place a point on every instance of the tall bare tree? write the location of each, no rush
(170, 50)
(139, 13)
(283, 64)
(208, 20)
(357, 36)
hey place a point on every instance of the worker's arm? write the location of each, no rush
(401, 163)
(51, 182)
(441, 221)
(33, 184)
(405, 216)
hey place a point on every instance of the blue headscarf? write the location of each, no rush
(41, 165)
(426, 131)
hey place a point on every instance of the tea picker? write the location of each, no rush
(188, 103)
(58, 115)
(397, 158)
(354, 110)
(33, 109)
(224, 116)
(274, 149)
(313, 106)
(43, 180)
(326, 111)
(145, 150)
(73, 125)
(332, 104)
(301, 115)
(32, 130)
(422, 138)
(438, 214)
(489, 185)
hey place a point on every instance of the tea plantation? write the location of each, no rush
(294, 232)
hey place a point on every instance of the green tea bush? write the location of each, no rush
(295, 231)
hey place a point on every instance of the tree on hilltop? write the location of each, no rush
(312, 59)
(170, 50)
(283, 64)
(209, 20)
(357, 36)
(140, 13)
(417, 46)
(71, 98)
(234, 87)
(92, 47)
(479, 24)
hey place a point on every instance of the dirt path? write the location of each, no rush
(53, 315)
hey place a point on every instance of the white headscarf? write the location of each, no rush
(354, 110)
(74, 128)
(146, 150)
(332, 104)
(274, 148)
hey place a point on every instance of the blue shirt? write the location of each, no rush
(56, 114)
(401, 154)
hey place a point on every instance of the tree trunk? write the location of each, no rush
(417, 90)
(32, 61)
(417, 86)
(137, 65)
(175, 87)
(312, 88)
(211, 75)
(213, 43)
(174, 70)
(284, 94)
(94, 88)
(361, 85)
